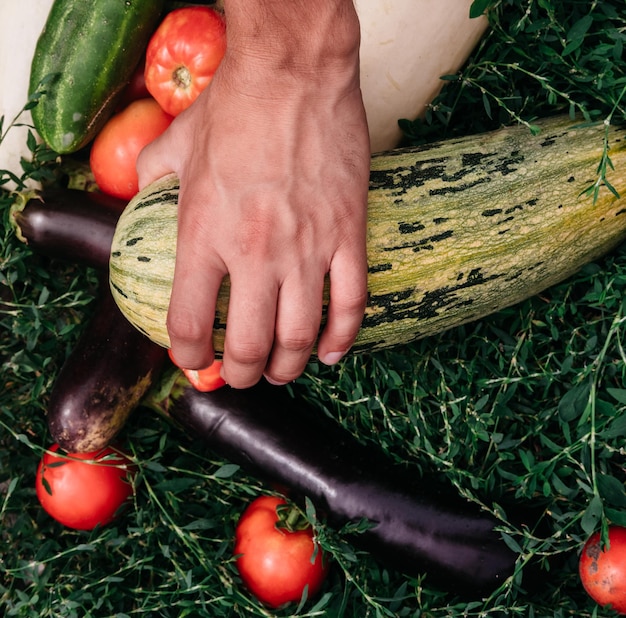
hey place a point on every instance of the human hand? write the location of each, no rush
(273, 163)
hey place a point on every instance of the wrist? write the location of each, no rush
(296, 37)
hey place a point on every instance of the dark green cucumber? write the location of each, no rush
(86, 54)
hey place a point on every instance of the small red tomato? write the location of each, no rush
(84, 490)
(114, 152)
(205, 380)
(183, 54)
(276, 564)
(603, 573)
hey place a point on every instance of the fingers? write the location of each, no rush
(272, 327)
(299, 314)
(298, 317)
(348, 298)
(250, 326)
(198, 276)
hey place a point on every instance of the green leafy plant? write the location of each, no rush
(43, 160)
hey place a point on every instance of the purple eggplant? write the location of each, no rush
(416, 526)
(69, 224)
(102, 381)
(113, 364)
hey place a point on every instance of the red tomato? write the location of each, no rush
(603, 573)
(183, 54)
(275, 563)
(115, 150)
(208, 379)
(84, 490)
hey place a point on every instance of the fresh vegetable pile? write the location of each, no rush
(453, 472)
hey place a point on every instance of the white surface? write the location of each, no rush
(403, 57)
(21, 22)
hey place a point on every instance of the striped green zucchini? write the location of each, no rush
(457, 229)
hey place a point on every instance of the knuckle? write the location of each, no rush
(247, 352)
(350, 305)
(182, 327)
(341, 341)
(297, 340)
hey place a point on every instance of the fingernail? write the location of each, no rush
(332, 357)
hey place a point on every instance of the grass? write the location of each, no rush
(527, 406)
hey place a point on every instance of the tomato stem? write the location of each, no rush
(293, 517)
(290, 518)
(181, 76)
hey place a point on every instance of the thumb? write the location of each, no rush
(153, 160)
